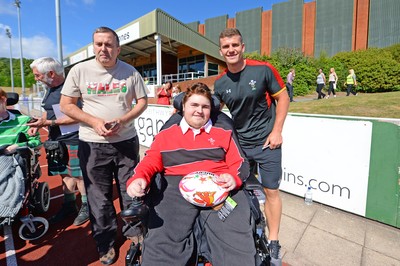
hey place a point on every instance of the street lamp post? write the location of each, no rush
(8, 32)
(18, 5)
(59, 39)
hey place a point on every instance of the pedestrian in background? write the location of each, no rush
(164, 94)
(333, 78)
(321, 81)
(175, 91)
(289, 83)
(351, 82)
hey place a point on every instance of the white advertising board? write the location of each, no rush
(150, 122)
(330, 155)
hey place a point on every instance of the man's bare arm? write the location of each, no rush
(69, 107)
(274, 139)
(137, 110)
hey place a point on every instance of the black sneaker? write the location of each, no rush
(67, 209)
(83, 215)
(275, 253)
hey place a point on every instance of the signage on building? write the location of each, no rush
(90, 51)
(82, 55)
(129, 34)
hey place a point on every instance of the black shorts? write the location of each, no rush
(269, 165)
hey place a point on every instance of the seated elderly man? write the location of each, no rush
(194, 145)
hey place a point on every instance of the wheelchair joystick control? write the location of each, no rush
(136, 212)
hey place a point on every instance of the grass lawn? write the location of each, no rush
(383, 105)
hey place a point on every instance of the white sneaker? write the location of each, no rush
(334, 96)
(327, 97)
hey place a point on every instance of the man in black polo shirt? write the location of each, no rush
(256, 97)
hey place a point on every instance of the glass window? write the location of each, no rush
(147, 70)
(191, 64)
(212, 69)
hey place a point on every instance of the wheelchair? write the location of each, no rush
(136, 214)
(28, 194)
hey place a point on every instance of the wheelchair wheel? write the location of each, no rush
(40, 227)
(42, 197)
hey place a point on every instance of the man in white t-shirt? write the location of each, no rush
(108, 142)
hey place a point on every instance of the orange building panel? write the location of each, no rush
(231, 23)
(202, 29)
(309, 13)
(266, 32)
(361, 17)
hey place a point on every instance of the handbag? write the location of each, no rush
(56, 151)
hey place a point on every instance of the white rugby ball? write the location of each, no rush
(201, 189)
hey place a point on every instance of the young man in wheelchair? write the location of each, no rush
(194, 145)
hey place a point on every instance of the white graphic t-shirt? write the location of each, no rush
(105, 93)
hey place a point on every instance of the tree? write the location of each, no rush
(5, 74)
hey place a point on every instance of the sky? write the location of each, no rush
(79, 18)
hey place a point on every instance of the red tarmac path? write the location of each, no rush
(64, 243)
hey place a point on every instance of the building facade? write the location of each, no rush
(163, 48)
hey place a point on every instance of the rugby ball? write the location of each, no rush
(202, 189)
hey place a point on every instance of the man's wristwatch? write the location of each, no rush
(53, 123)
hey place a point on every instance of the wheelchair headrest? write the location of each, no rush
(12, 98)
(178, 100)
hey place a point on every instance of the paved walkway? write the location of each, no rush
(322, 235)
(314, 96)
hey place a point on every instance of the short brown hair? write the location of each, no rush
(230, 32)
(197, 88)
(106, 29)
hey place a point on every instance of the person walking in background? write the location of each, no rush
(50, 72)
(351, 82)
(333, 78)
(321, 80)
(255, 95)
(289, 83)
(164, 94)
(108, 141)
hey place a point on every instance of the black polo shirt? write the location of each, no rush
(248, 96)
(53, 96)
